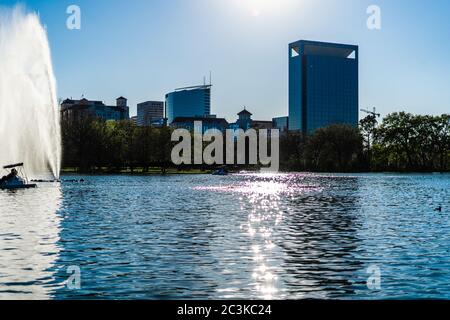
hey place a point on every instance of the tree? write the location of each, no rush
(292, 148)
(406, 142)
(402, 142)
(441, 142)
(336, 148)
(396, 134)
(368, 126)
(80, 142)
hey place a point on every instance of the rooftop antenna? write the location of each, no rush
(210, 78)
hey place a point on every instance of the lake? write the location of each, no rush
(246, 236)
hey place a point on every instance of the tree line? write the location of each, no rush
(94, 145)
(402, 142)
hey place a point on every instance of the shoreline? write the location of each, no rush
(173, 172)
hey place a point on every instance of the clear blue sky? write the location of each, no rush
(142, 49)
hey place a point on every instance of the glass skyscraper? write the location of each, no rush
(323, 85)
(189, 102)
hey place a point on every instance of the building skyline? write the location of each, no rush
(243, 49)
(243, 122)
(73, 109)
(323, 85)
(323, 90)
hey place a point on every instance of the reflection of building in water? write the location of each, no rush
(29, 232)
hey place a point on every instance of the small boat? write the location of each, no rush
(16, 179)
(220, 172)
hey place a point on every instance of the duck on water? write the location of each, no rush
(16, 179)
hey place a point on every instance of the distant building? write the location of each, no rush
(323, 85)
(134, 120)
(150, 112)
(159, 123)
(258, 125)
(244, 121)
(208, 123)
(72, 109)
(189, 102)
(281, 123)
(122, 103)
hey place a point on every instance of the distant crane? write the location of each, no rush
(373, 113)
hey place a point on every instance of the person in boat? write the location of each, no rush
(221, 172)
(10, 176)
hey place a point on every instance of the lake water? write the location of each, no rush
(287, 236)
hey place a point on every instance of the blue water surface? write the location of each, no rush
(246, 236)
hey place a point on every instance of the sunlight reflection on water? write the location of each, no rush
(260, 195)
(249, 236)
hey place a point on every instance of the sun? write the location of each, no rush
(256, 12)
(257, 8)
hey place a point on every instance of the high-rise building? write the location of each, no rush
(323, 85)
(150, 112)
(281, 123)
(189, 102)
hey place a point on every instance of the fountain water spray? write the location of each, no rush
(29, 113)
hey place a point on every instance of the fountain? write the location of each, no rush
(29, 113)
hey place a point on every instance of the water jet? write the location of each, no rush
(29, 113)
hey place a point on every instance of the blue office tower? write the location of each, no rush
(323, 85)
(189, 102)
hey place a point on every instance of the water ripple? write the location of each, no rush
(249, 236)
